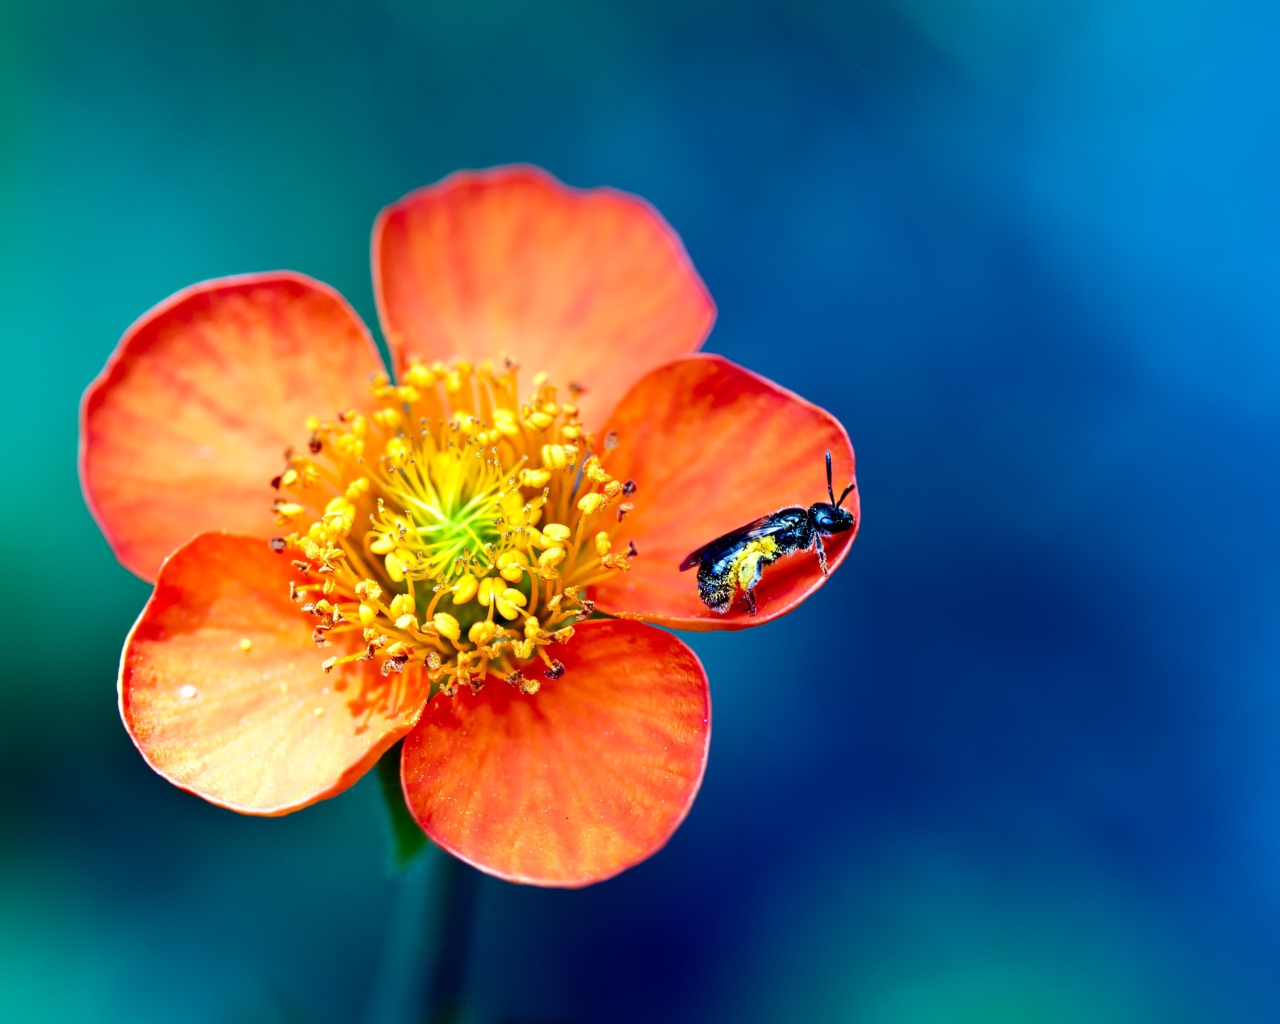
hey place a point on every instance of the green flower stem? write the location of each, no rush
(453, 909)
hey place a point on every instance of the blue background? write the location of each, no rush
(1018, 762)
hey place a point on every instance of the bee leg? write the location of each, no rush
(822, 553)
(751, 602)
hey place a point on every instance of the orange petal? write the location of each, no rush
(593, 287)
(186, 426)
(257, 727)
(712, 446)
(582, 780)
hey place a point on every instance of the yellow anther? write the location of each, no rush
(603, 544)
(350, 446)
(504, 422)
(540, 379)
(397, 649)
(539, 421)
(488, 589)
(382, 544)
(570, 432)
(359, 426)
(408, 395)
(534, 478)
(357, 489)
(592, 471)
(453, 382)
(509, 602)
(532, 630)
(590, 503)
(554, 456)
(398, 449)
(369, 589)
(557, 531)
(511, 565)
(407, 621)
(550, 558)
(612, 489)
(289, 477)
(465, 589)
(401, 604)
(419, 376)
(388, 419)
(246, 644)
(395, 568)
(368, 614)
(481, 632)
(447, 625)
(286, 510)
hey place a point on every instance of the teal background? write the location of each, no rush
(1016, 764)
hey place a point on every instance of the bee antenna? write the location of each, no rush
(830, 493)
(844, 494)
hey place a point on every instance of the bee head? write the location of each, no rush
(829, 518)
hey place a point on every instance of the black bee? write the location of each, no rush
(739, 557)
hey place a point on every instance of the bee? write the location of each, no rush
(739, 557)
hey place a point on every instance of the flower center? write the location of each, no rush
(456, 527)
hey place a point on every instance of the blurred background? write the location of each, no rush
(1018, 762)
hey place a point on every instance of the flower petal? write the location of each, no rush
(587, 777)
(710, 447)
(188, 422)
(261, 730)
(593, 287)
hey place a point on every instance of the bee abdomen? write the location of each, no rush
(715, 584)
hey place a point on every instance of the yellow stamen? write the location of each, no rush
(434, 498)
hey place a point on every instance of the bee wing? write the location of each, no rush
(756, 528)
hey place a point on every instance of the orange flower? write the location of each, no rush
(552, 448)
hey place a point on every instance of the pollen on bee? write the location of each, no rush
(450, 525)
